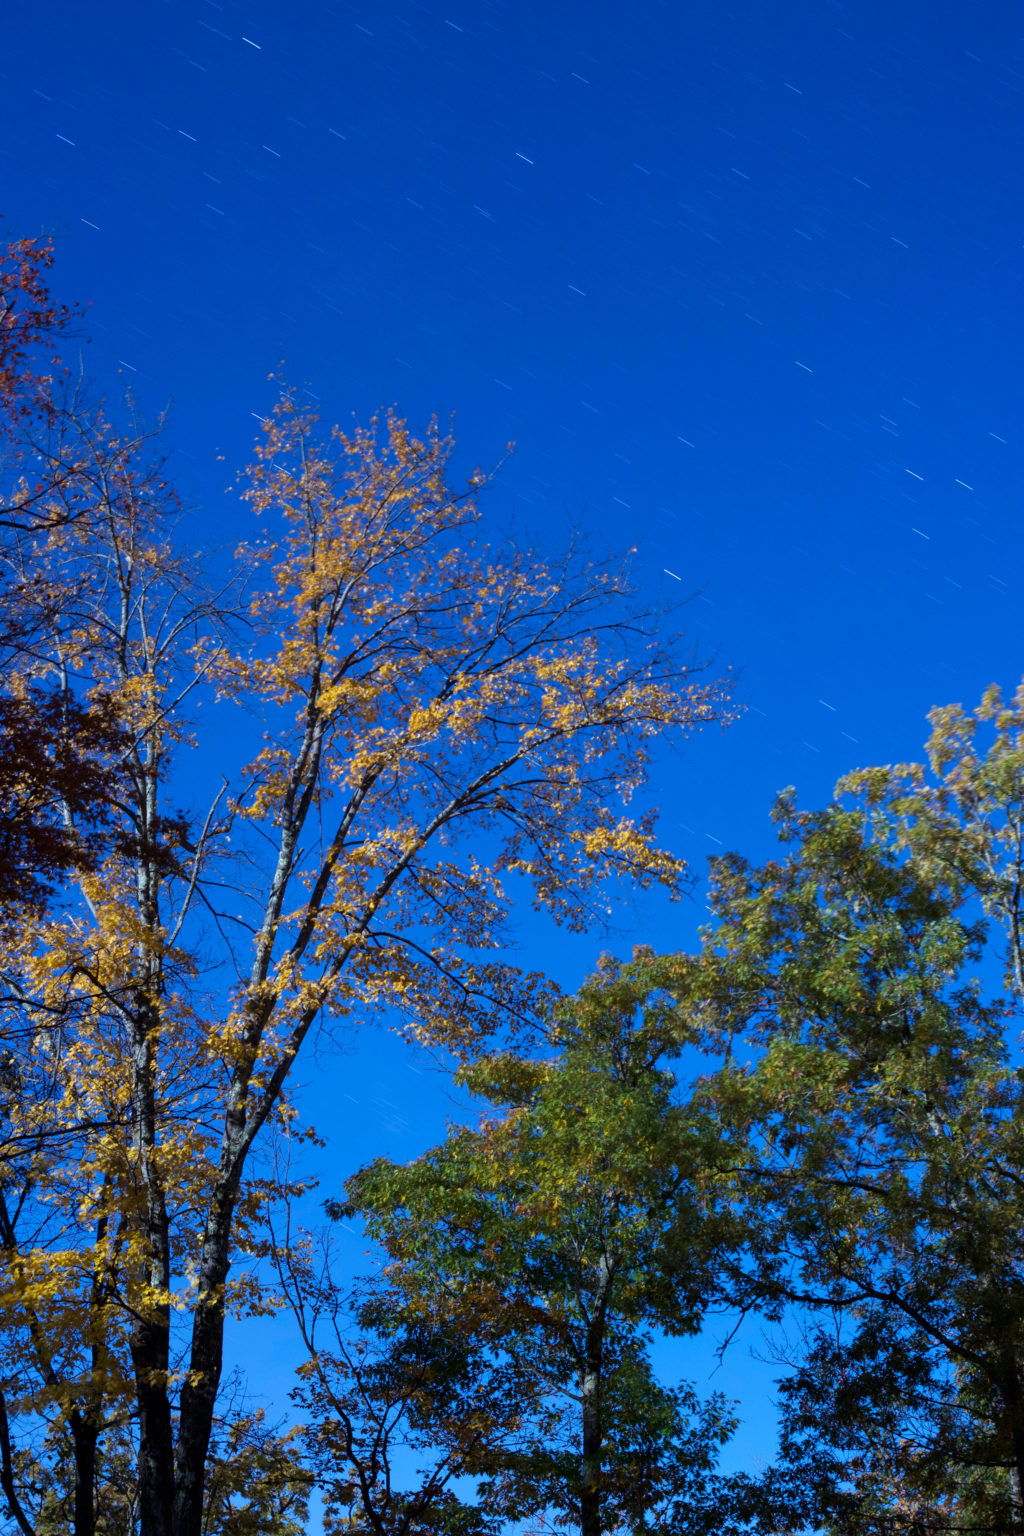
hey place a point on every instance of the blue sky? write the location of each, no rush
(742, 282)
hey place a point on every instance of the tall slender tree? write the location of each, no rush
(424, 717)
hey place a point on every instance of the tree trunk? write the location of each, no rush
(7, 1482)
(84, 1436)
(1017, 1480)
(151, 1330)
(199, 1393)
(156, 1441)
(1013, 1402)
(590, 1470)
(591, 1383)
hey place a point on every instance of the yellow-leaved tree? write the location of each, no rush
(403, 724)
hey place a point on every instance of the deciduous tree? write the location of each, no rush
(855, 966)
(438, 716)
(553, 1239)
(58, 461)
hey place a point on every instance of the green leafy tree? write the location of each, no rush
(593, 1208)
(892, 1113)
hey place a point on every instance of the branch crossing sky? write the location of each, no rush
(742, 281)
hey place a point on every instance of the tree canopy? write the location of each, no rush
(594, 1209)
(424, 713)
(245, 800)
(888, 1092)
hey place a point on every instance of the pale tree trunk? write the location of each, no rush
(1017, 1480)
(590, 1471)
(592, 1427)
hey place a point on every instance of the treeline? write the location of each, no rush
(815, 1119)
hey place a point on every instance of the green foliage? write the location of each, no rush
(257, 1483)
(962, 822)
(595, 1207)
(399, 1405)
(891, 1156)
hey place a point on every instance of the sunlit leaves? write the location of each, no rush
(597, 1206)
(890, 1156)
(410, 722)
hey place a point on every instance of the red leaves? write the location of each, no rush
(32, 324)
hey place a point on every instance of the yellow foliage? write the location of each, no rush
(424, 717)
